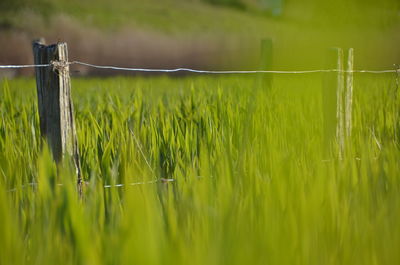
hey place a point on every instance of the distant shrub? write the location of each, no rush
(44, 7)
(11, 5)
(233, 3)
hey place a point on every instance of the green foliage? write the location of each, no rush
(251, 183)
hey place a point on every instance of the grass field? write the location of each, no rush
(252, 182)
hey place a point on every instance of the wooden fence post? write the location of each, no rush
(333, 107)
(54, 102)
(349, 90)
(266, 63)
(340, 108)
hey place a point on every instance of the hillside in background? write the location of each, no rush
(202, 33)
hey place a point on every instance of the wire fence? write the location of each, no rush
(57, 65)
(60, 65)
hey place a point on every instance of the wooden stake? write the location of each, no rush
(266, 63)
(332, 98)
(54, 102)
(349, 90)
(340, 132)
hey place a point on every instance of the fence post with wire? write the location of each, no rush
(55, 106)
(337, 100)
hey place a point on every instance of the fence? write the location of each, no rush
(56, 108)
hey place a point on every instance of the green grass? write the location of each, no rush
(252, 185)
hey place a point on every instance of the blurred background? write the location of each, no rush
(206, 34)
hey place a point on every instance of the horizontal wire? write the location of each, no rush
(109, 67)
(200, 71)
(107, 186)
(23, 66)
(374, 71)
(230, 72)
(139, 183)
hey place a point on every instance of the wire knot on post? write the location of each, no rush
(60, 66)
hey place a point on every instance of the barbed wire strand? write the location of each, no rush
(109, 67)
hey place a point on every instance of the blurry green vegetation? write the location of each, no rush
(252, 186)
(10, 8)
(301, 34)
(156, 13)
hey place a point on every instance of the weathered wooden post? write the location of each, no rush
(333, 93)
(54, 102)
